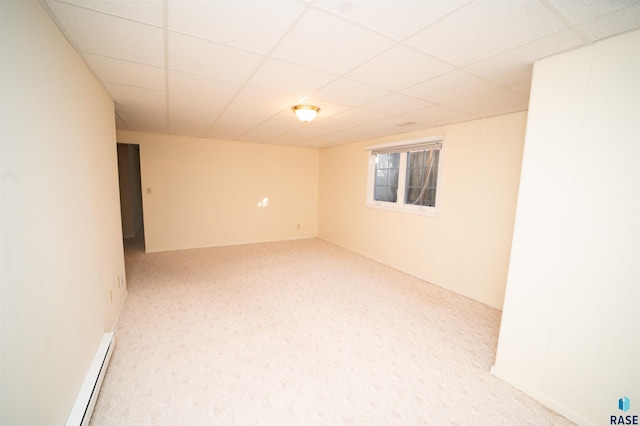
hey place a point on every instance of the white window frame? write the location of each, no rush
(399, 205)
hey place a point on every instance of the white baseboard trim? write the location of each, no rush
(239, 243)
(85, 402)
(459, 291)
(541, 397)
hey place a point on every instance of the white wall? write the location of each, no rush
(206, 192)
(61, 248)
(465, 249)
(570, 332)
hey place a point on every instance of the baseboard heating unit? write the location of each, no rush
(82, 409)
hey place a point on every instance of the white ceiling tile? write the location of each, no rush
(397, 19)
(327, 43)
(453, 85)
(494, 102)
(490, 69)
(287, 77)
(120, 124)
(140, 116)
(490, 27)
(128, 73)
(306, 131)
(138, 108)
(335, 138)
(622, 20)
(196, 107)
(317, 142)
(108, 35)
(150, 125)
(182, 119)
(367, 131)
(246, 116)
(274, 126)
(332, 139)
(184, 124)
(349, 92)
(314, 129)
(523, 87)
(246, 62)
(439, 115)
(399, 67)
(145, 121)
(398, 124)
(330, 125)
(259, 135)
(147, 11)
(202, 57)
(338, 138)
(269, 100)
(517, 64)
(235, 23)
(579, 11)
(395, 104)
(198, 85)
(359, 116)
(140, 95)
(413, 126)
(226, 131)
(287, 139)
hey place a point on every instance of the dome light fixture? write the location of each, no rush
(306, 113)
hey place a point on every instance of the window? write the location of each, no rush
(404, 175)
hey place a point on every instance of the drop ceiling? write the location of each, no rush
(232, 69)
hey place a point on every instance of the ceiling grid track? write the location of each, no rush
(266, 57)
(375, 69)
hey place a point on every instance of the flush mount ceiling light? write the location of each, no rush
(306, 113)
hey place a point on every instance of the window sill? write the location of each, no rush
(417, 210)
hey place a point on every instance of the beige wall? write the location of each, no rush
(206, 192)
(466, 248)
(61, 251)
(570, 332)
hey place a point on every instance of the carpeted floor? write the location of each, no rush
(300, 333)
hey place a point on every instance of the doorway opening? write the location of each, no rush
(131, 196)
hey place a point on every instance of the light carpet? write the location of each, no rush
(301, 333)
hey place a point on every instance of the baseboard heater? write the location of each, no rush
(82, 409)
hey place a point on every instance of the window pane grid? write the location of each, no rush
(422, 172)
(403, 176)
(386, 177)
